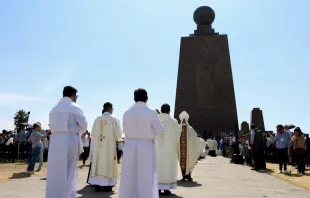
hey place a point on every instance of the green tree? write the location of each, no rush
(21, 118)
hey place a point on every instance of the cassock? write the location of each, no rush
(187, 147)
(212, 143)
(202, 149)
(139, 167)
(167, 142)
(105, 132)
(67, 123)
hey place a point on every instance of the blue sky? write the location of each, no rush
(106, 49)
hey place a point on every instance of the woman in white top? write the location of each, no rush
(86, 145)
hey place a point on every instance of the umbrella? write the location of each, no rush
(291, 126)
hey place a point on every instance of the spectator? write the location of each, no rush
(262, 148)
(222, 147)
(247, 153)
(308, 149)
(43, 148)
(286, 128)
(282, 141)
(29, 146)
(120, 147)
(86, 138)
(45, 154)
(299, 143)
(36, 139)
(20, 137)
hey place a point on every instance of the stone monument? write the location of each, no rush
(205, 86)
(245, 128)
(258, 119)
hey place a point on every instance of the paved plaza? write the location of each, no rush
(215, 177)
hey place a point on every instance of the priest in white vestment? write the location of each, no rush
(67, 123)
(139, 166)
(202, 149)
(105, 132)
(187, 148)
(168, 163)
(212, 143)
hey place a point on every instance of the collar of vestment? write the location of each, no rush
(137, 104)
(106, 113)
(65, 100)
(164, 117)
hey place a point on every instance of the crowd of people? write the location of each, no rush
(258, 147)
(17, 147)
(158, 150)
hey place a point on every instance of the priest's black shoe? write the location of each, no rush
(107, 189)
(98, 189)
(189, 177)
(167, 192)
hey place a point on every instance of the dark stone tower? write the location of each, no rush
(205, 86)
(245, 128)
(258, 119)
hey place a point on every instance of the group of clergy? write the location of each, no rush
(177, 149)
(157, 148)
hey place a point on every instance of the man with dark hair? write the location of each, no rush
(256, 148)
(282, 140)
(67, 123)
(107, 107)
(139, 172)
(165, 108)
(140, 95)
(70, 92)
(167, 151)
(105, 132)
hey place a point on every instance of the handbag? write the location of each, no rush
(300, 151)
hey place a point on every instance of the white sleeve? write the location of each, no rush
(81, 120)
(117, 129)
(156, 124)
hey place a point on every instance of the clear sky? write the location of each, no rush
(106, 49)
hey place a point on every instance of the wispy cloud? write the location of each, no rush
(9, 98)
(7, 124)
(57, 80)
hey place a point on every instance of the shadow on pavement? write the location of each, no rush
(20, 175)
(296, 175)
(189, 184)
(269, 171)
(171, 196)
(89, 192)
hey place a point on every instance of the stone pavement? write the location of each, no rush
(215, 177)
